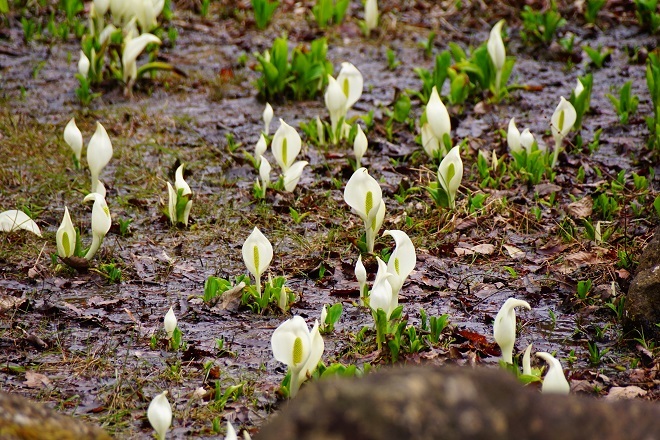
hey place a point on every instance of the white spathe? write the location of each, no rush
(527, 140)
(336, 103)
(402, 260)
(286, 145)
(562, 119)
(83, 64)
(504, 327)
(437, 116)
(66, 236)
(554, 381)
(259, 149)
(351, 82)
(293, 174)
(360, 145)
(526, 362)
(99, 153)
(361, 276)
(450, 174)
(513, 137)
(13, 220)
(264, 173)
(430, 143)
(267, 116)
(159, 414)
(579, 88)
(381, 295)
(73, 137)
(371, 15)
(495, 46)
(132, 51)
(257, 255)
(101, 222)
(170, 322)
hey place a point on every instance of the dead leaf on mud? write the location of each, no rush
(483, 249)
(623, 393)
(9, 302)
(514, 252)
(577, 259)
(581, 208)
(36, 380)
(231, 299)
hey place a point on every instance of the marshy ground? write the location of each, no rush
(86, 345)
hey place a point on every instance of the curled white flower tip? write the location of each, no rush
(554, 381)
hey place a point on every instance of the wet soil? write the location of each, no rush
(92, 341)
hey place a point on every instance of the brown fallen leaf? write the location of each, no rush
(629, 392)
(36, 380)
(514, 252)
(231, 299)
(484, 249)
(581, 208)
(9, 302)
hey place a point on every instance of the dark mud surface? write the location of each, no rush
(91, 340)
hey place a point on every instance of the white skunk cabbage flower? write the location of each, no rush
(336, 103)
(66, 236)
(504, 327)
(561, 123)
(430, 143)
(497, 52)
(106, 33)
(257, 255)
(180, 199)
(370, 15)
(293, 174)
(450, 174)
(170, 322)
(526, 362)
(13, 220)
(99, 153)
(146, 11)
(83, 64)
(324, 316)
(360, 146)
(286, 145)
(101, 6)
(513, 137)
(402, 260)
(267, 117)
(294, 345)
(101, 222)
(437, 116)
(159, 414)
(264, 173)
(259, 149)
(365, 197)
(351, 82)
(231, 432)
(527, 140)
(320, 131)
(132, 51)
(381, 295)
(361, 276)
(554, 381)
(74, 139)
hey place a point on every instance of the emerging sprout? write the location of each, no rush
(504, 327)
(438, 117)
(370, 15)
(360, 146)
(73, 138)
(361, 275)
(554, 382)
(170, 322)
(267, 117)
(99, 153)
(259, 149)
(83, 64)
(257, 255)
(159, 414)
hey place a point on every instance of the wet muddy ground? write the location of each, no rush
(90, 342)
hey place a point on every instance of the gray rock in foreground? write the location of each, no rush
(642, 308)
(453, 403)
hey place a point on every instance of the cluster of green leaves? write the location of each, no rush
(329, 11)
(263, 12)
(63, 21)
(470, 75)
(647, 14)
(303, 75)
(526, 167)
(591, 9)
(331, 318)
(270, 296)
(653, 83)
(540, 26)
(626, 104)
(597, 56)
